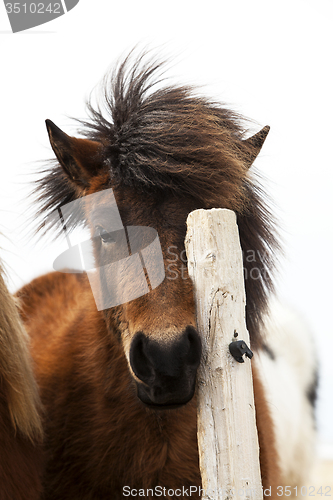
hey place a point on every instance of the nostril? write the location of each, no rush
(194, 352)
(139, 361)
(165, 371)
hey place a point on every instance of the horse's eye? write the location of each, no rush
(104, 235)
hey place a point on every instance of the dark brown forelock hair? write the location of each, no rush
(170, 140)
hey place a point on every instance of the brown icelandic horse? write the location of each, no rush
(118, 384)
(20, 421)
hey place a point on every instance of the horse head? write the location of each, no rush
(162, 155)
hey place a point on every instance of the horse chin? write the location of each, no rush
(158, 407)
(170, 404)
(162, 407)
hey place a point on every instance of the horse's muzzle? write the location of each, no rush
(166, 370)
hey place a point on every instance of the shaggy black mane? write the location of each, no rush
(168, 139)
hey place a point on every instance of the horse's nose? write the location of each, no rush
(166, 370)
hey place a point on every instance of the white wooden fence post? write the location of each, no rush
(227, 433)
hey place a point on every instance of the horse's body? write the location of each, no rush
(101, 436)
(118, 384)
(20, 422)
(102, 439)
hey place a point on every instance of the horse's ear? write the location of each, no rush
(254, 144)
(80, 158)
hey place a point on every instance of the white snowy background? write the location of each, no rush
(270, 61)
